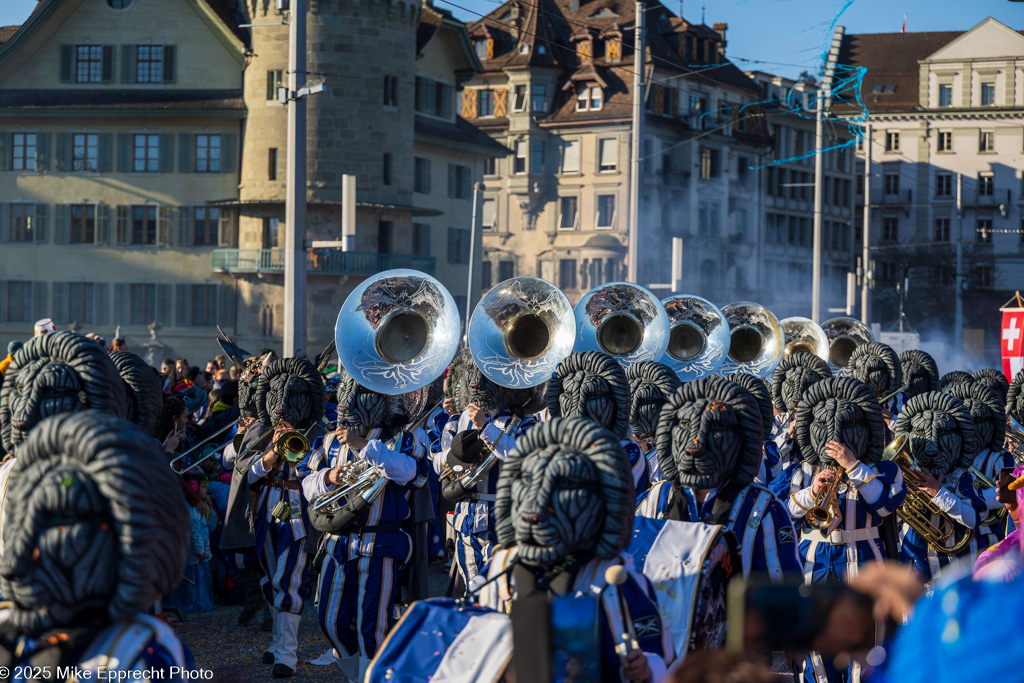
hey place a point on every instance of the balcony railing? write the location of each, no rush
(318, 261)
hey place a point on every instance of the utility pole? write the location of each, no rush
(958, 311)
(865, 312)
(637, 143)
(295, 194)
(819, 123)
(477, 189)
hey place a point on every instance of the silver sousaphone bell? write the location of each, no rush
(803, 335)
(397, 331)
(520, 331)
(698, 336)
(844, 335)
(623, 320)
(755, 341)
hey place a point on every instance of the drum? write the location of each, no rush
(442, 640)
(690, 565)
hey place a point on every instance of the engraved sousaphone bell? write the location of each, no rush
(803, 335)
(698, 336)
(397, 331)
(623, 320)
(520, 331)
(844, 335)
(755, 341)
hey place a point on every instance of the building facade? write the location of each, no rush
(945, 130)
(112, 164)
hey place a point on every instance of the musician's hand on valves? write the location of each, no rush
(635, 667)
(929, 483)
(476, 416)
(842, 455)
(821, 480)
(347, 437)
(336, 476)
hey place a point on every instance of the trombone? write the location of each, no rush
(917, 509)
(209, 455)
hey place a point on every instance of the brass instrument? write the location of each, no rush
(917, 509)
(623, 320)
(845, 335)
(473, 477)
(293, 446)
(824, 512)
(885, 399)
(803, 335)
(698, 336)
(983, 482)
(755, 341)
(201, 443)
(520, 331)
(1015, 439)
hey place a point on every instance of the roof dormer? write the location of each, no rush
(584, 42)
(612, 44)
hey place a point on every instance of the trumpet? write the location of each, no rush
(824, 512)
(292, 445)
(209, 455)
(983, 482)
(917, 509)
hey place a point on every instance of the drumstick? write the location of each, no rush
(616, 576)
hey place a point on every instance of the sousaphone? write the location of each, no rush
(698, 336)
(520, 331)
(803, 335)
(623, 320)
(844, 335)
(755, 340)
(397, 331)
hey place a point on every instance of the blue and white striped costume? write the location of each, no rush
(872, 493)
(358, 581)
(989, 463)
(961, 501)
(638, 594)
(770, 460)
(785, 446)
(140, 644)
(637, 463)
(760, 522)
(474, 518)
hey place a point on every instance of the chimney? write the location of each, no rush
(720, 29)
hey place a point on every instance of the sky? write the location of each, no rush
(783, 36)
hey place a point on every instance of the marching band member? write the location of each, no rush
(792, 377)
(943, 442)
(593, 385)
(878, 366)
(650, 385)
(920, 373)
(490, 419)
(955, 377)
(995, 380)
(762, 396)
(96, 531)
(290, 396)
(565, 514)
(989, 421)
(366, 544)
(709, 443)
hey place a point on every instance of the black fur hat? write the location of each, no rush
(920, 372)
(591, 384)
(792, 377)
(840, 409)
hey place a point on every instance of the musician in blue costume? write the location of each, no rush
(95, 532)
(709, 445)
(943, 442)
(290, 396)
(565, 514)
(366, 544)
(878, 366)
(995, 380)
(487, 418)
(650, 385)
(763, 397)
(920, 372)
(955, 377)
(593, 385)
(989, 420)
(792, 377)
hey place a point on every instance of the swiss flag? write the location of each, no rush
(1012, 340)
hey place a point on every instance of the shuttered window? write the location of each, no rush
(143, 225)
(19, 301)
(208, 153)
(205, 226)
(83, 224)
(204, 305)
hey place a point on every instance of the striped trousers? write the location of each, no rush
(359, 592)
(285, 564)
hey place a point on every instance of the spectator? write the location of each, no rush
(170, 428)
(183, 367)
(170, 375)
(120, 344)
(222, 362)
(195, 592)
(211, 367)
(44, 326)
(233, 372)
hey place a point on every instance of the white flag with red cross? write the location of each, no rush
(1012, 340)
